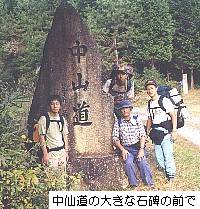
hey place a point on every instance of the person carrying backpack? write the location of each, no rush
(162, 129)
(120, 85)
(54, 138)
(129, 136)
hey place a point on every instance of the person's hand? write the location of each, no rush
(174, 135)
(45, 158)
(125, 154)
(140, 155)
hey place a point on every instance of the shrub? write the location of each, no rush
(23, 181)
(150, 73)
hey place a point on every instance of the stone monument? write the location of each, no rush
(71, 67)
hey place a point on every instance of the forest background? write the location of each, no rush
(160, 38)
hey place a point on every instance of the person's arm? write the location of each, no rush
(174, 120)
(116, 140)
(123, 150)
(148, 125)
(65, 137)
(42, 133)
(45, 157)
(106, 86)
(174, 124)
(66, 142)
(142, 135)
(171, 111)
(149, 120)
(142, 147)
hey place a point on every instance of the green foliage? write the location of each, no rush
(186, 16)
(23, 182)
(156, 30)
(143, 30)
(154, 74)
(24, 27)
(151, 73)
(115, 21)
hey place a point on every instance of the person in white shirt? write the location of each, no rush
(161, 127)
(54, 140)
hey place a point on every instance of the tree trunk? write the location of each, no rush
(152, 64)
(182, 70)
(116, 52)
(192, 79)
(168, 75)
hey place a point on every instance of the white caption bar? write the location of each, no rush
(124, 199)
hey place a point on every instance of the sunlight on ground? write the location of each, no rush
(192, 101)
(187, 164)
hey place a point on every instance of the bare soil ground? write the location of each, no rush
(191, 130)
(192, 101)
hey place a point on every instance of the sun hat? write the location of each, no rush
(124, 104)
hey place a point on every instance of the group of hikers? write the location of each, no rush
(129, 134)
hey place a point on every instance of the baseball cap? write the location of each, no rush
(150, 82)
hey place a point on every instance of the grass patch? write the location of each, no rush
(187, 157)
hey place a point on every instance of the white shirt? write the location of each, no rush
(54, 134)
(157, 114)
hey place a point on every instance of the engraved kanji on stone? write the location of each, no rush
(79, 84)
(78, 50)
(81, 114)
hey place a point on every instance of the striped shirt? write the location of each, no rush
(128, 132)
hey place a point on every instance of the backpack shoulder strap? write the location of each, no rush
(149, 109)
(112, 83)
(47, 120)
(160, 103)
(129, 85)
(149, 104)
(119, 120)
(62, 122)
